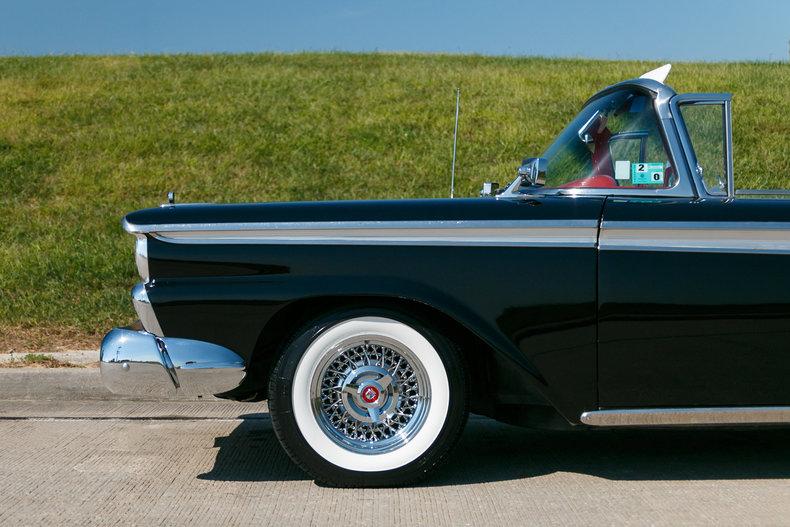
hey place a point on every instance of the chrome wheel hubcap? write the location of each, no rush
(370, 394)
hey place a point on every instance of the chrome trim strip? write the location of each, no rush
(472, 237)
(721, 237)
(761, 192)
(145, 310)
(321, 225)
(745, 415)
(534, 233)
(702, 225)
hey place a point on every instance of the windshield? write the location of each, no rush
(614, 142)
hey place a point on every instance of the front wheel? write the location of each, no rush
(363, 399)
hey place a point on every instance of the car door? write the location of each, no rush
(694, 303)
(694, 293)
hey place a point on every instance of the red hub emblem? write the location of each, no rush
(370, 394)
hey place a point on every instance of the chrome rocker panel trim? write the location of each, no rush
(745, 415)
(139, 363)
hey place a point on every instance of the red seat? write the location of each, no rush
(597, 181)
(601, 163)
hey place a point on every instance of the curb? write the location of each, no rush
(81, 357)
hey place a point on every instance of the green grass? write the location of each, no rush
(39, 360)
(84, 140)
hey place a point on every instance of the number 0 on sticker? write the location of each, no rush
(647, 173)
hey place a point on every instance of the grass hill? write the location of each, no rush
(84, 140)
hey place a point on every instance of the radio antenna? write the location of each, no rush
(455, 141)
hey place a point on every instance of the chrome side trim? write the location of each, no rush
(702, 225)
(145, 310)
(566, 233)
(721, 237)
(761, 192)
(139, 363)
(746, 415)
(351, 225)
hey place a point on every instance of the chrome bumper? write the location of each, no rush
(139, 363)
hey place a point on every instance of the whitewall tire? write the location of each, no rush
(368, 398)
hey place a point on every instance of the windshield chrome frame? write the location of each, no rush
(662, 96)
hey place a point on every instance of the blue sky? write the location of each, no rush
(615, 29)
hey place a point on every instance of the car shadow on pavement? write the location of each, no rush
(252, 453)
(489, 451)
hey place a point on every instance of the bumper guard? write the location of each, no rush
(140, 363)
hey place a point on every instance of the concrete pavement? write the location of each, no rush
(93, 460)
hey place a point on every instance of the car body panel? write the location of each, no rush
(541, 324)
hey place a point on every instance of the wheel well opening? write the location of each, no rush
(284, 325)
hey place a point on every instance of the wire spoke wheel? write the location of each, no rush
(370, 394)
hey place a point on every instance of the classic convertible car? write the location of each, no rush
(617, 281)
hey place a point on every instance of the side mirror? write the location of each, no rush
(533, 170)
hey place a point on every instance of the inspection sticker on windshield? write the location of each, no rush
(647, 173)
(622, 170)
